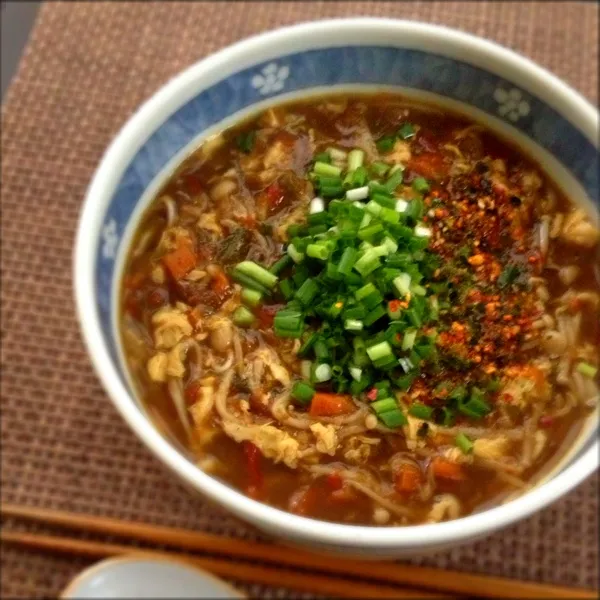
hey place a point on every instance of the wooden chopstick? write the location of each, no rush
(453, 582)
(308, 582)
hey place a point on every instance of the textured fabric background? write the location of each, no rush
(87, 67)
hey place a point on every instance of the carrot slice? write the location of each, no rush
(408, 479)
(331, 405)
(182, 260)
(446, 469)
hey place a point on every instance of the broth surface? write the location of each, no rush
(441, 374)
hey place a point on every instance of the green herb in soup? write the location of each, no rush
(365, 311)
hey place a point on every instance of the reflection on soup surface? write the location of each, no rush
(365, 311)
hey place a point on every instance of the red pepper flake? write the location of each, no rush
(372, 394)
(253, 469)
(275, 196)
(546, 421)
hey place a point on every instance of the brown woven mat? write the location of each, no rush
(86, 68)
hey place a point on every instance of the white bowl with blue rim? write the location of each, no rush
(505, 91)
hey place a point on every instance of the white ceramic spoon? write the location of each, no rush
(146, 578)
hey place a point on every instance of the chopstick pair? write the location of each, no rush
(338, 576)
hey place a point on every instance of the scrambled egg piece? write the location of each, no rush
(157, 367)
(272, 362)
(358, 449)
(577, 229)
(400, 153)
(171, 325)
(209, 221)
(326, 435)
(167, 364)
(446, 506)
(277, 155)
(272, 442)
(200, 409)
(491, 447)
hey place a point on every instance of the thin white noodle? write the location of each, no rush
(171, 210)
(399, 511)
(175, 387)
(221, 397)
(225, 365)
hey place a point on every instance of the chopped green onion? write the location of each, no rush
(464, 443)
(379, 169)
(402, 284)
(385, 405)
(322, 372)
(358, 193)
(421, 411)
(257, 273)
(379, 351)
(302, 392)
(242, 317)
(322, 157)
(308, 344)
(587, 370)
(281, 264)
(347, 261)
(367, 263)
(408, 341)
(353, 325)
(375, 315)
(316, 206)
(406, 131)
(327, 170)
(307, 292)
(286, 287)
(356, 373)
(476, 407)
(245, 141)
(386, 143)
(337, 154)
(393, 418)
(317, 251)
(401, 205)
(422, 231)
(294, 254)
(394, 181)
(251, 298)
(420, 185)
(356, 158)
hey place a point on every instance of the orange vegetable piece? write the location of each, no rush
(331, 405)
(221, 283)
(408, 479)
(446, 469)
(182, 260)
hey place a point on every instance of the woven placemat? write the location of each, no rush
(86, 68)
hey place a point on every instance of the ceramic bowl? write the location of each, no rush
(507, 92)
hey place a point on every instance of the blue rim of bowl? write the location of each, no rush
(525, 74)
